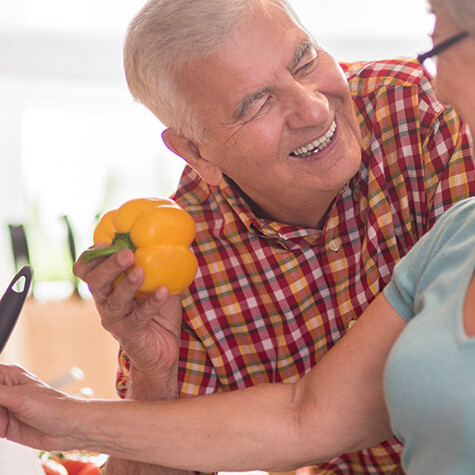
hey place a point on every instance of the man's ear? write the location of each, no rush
(190, 152)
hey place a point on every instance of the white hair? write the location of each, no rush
(166, 36)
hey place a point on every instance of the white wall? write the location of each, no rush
(368, 29)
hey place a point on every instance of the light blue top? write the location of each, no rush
(430, 374)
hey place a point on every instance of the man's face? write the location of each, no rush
(268, 98)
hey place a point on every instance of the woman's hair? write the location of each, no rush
(166, 36)
(463, 11)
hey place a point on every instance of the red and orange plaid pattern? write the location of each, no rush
(270, 299)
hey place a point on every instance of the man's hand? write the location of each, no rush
(35, 414)
(147, 329)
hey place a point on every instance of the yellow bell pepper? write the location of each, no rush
(159, 232)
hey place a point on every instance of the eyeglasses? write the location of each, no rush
(428, 60)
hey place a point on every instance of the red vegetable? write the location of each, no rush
(51, 467)
(90, 469)
(79, 467)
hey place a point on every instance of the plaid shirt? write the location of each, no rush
(269, 299)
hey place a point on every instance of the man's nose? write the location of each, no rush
(306, 107)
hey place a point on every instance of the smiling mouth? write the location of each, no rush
(317, 145)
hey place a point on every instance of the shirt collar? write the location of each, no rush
(233, 208)
(264, 227)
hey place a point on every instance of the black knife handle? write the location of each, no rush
(12, 302)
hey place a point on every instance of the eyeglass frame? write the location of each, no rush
(437, 49)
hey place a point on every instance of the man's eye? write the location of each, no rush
(260, 106)
(264, 102)
(307, 67)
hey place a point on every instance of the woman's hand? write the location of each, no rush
(34, 414)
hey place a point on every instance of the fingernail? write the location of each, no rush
(133, 275)
(124, 258)
(160, 293)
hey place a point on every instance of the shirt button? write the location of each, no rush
(334, 245)
(352, 322)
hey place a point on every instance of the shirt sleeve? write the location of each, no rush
(426, 260)
(400, 290)
(196, 375)
(449, 172)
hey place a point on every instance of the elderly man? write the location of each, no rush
(308, 181)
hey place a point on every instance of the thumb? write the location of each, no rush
(169, 306)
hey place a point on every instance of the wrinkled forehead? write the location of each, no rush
(275, 9)
(261, 46)
(269, 16)
(273, 19)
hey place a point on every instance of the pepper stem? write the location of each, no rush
(121, 241)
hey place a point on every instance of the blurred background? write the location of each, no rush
(73, 144)
(72, 141)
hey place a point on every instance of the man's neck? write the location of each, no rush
(304, 216)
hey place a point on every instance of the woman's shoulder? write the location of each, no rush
(460, 215)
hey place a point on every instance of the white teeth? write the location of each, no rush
(318, 144)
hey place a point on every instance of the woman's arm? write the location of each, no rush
(336, 408)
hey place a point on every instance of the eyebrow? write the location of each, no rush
(302, 50)
(247, 102)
